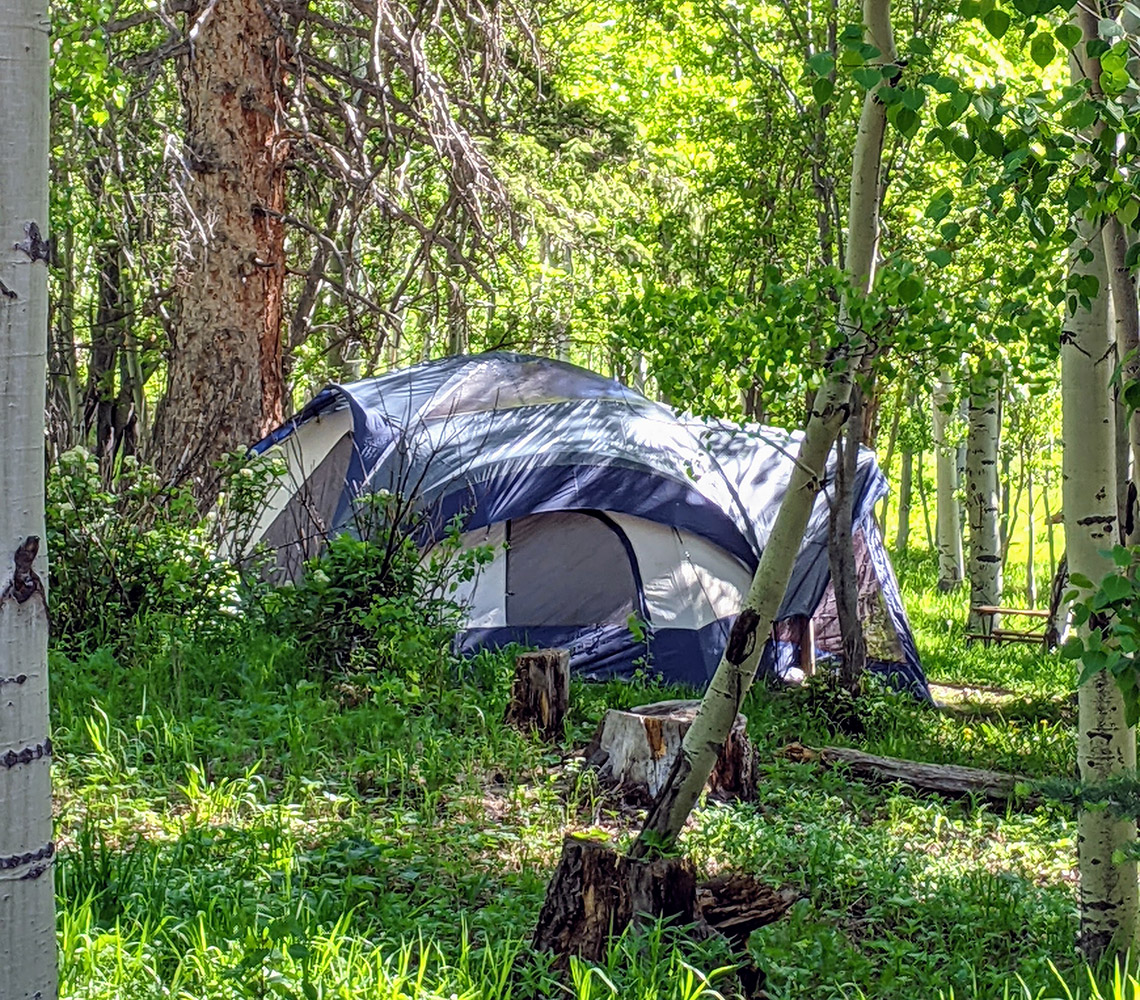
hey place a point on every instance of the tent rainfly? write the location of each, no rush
(620, 528)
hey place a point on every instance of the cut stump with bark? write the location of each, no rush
(635, 751)
(596, 893)
(950, 780)
(540, 692)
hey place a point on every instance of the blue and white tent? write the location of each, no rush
(603, 509)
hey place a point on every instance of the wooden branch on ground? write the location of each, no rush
(950, 780)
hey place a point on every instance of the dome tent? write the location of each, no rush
(621, 529)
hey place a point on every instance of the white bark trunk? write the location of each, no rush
(983, 504)
(1126, 319)
(1031, 544)
(721, 703)
(27, 923)
(1105, 746)
(948, 527)
(737, 668)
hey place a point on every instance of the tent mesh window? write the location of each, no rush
(567, 568)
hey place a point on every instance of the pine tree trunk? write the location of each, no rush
(946, 524)
(27, 923)
(226, 383)
(737, 668)
(982, 497)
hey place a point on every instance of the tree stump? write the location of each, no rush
(635, 751)
(596, 893)
(540, 692)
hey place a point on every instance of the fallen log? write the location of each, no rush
(950, 780)
(635, 751)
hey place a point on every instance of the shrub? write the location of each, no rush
(134, 555)
(372, 602)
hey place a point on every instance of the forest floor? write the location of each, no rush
(232, 827)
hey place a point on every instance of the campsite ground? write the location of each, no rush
(234, 827)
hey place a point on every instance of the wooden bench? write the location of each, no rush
(1034, 631)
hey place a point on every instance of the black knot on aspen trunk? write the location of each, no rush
(33, 244)
(742, 638)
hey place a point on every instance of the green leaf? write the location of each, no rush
(1067, 34)
(1041, 49)
(1073, 648)
(939, 258)
(910, 289)
(868, 77)
(1132, 257)
(997, 23)
(1116, 588)
(1106, 27)
(964, 148)
(906, 121)
(822, 64)
(938, 209)
(1080, 580)
(822, 90)
(946, 113)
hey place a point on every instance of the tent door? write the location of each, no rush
(570, 568)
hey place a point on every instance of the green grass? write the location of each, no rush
(233, 827)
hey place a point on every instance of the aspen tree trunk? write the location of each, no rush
(946, 525)
(1106, 747)
(226, 379)
(1126, 317)
(27, 922)
(983, 495)
(737, 668)
(841, 549)
(924, 500)
(1031, 543)
(889, 460)
(902, 538)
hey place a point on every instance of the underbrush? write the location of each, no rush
(310, 796)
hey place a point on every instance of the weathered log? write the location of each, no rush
(540, 692)
(635, 751)
(950, 780)
(595, 893)
(735, 904)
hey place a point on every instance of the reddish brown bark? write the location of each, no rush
(225, 381)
